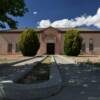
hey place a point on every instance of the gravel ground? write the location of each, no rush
(11, 58)
(85, 58)
(8, 69)
(79, 82)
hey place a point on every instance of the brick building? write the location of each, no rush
(51, 41)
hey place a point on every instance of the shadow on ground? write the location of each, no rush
(9, 68)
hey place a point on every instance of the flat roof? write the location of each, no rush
(83, 30)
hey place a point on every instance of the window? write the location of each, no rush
(83, 47)
(9, 47)
(91, 46)
(17, 48)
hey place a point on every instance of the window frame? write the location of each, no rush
(91, 44)
(10, 47)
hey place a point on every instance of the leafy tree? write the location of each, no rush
(29, 42)
(72, 42)
(10, 9)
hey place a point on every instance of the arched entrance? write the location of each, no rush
(50, 48)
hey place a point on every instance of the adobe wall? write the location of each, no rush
(3, 45)
(96, 42)
(5, 39)
(50, 35)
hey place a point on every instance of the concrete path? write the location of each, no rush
(79, 82)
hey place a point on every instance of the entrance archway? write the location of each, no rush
(50, 48)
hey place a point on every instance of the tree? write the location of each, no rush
(10, 9)
(72, 42)
(29, 42)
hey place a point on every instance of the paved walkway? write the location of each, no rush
(79, 82)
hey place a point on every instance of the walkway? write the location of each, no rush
(79, 82)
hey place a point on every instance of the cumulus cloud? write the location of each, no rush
(44, 23)
(35, 12)
(78, 21)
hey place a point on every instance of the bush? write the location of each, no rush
(29, 42)
(72, 42)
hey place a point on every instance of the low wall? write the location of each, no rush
(15, 91)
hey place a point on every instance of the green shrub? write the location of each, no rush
(72, 42)
(29, 42)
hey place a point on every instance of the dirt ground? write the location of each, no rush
(8, 58)
(80, 58)
(86, 58)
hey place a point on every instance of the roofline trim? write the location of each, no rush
(43, 29)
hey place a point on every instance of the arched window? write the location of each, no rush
(91, 46)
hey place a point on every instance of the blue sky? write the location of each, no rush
(43, 13)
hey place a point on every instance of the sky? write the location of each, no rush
(61, 13)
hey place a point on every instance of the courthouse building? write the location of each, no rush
(51, 41)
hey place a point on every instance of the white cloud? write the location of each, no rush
(35, 12)
(44, 23)
(78, 21)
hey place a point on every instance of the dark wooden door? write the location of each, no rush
(50, 48)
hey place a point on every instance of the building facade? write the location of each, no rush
(51, 41)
